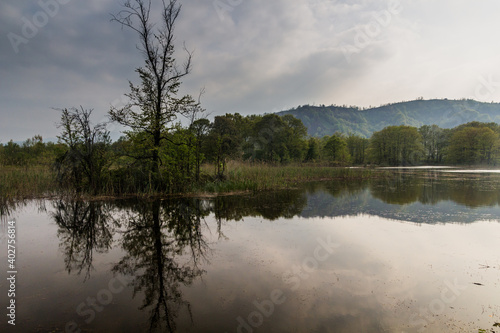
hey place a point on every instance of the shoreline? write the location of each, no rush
(20, 183)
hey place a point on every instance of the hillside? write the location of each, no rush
(326, 120)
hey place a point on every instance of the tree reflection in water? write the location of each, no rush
(433, 187)
(84, 228)
(9, 205)
(164, 245)
(165, 248)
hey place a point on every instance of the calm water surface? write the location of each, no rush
(418, 252)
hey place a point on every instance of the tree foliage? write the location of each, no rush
(396, 145)
(357, 147)
(154, 104)
(434, 140)
(474, 143)
(276, 139)
(223, 142)
(313, 153)
(32, 152)
(336, 149)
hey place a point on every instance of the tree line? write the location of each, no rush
(471, 143)
(85, 158)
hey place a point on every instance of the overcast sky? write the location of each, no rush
(252, 56)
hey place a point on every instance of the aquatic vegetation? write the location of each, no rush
(26, 182)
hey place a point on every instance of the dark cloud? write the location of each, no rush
(77, 58)
(251, 56)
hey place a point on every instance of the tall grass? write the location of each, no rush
(17, 183)
(27, 182)
(259, 176)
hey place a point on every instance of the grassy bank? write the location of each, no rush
(26, 183)
(17, 183)
(261, 177)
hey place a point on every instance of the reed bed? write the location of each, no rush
(27, 182)
(241, 176)
(18, 183)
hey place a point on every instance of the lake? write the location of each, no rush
(414, 252)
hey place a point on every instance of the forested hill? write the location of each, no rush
(326, 120)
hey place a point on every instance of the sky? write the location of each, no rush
(250, 56)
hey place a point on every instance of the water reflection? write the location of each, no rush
(165, 247)
(416, 197)
(269, 205)
(8, 206)
(433, 187)
(84, 228)
(162, 240)
(174, 226)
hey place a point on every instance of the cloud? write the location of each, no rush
(77, 58)
(251, 56)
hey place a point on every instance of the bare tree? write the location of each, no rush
(153, 104)
(85, 161)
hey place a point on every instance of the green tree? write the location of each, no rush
(473, 145)
(12, 154)
(357, 147)
(312, 150)
(434, 140)
(223, 142)
(154, 104)
(488, 146)
(33, 150)
(336, 149)
(294, 136)
(199, 129)
(396, 145)
(277, 139)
